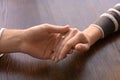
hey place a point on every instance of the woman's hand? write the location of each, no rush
(75, 39)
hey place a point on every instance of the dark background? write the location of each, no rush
(101, 62)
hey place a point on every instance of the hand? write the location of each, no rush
(40, 41)
(74, 39)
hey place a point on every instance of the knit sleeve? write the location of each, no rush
(109, 22)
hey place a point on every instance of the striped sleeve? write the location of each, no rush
(109, 22)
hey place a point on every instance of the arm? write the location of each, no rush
(38, 41)
(93, 33)
(107, 24)
(10, 40)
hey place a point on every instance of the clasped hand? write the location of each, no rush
(48, 41)
(44, 41)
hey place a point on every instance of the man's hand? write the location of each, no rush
(38, 41)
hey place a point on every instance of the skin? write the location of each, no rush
(78, 40)
(38, 41)
(45, 41)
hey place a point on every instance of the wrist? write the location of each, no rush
(10, 40)
(93, 34)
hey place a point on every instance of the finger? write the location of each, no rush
(58, 41)
(58, 29)
(82, 47)
(55, 51)
(65, 50)
(69, 45)
(59, 45)
(68, 37)
(49, 49)
(58, 48)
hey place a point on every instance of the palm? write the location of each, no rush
(40, 43)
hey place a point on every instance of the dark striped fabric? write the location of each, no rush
(109, 22)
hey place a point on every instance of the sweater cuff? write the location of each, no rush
(109, 22)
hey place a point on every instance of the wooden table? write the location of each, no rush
(101, 62)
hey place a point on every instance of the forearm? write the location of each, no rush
(10, 40)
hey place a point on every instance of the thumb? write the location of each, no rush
(81, 47)
(58, 29)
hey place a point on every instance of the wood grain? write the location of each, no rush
(101, 62)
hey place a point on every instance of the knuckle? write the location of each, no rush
(86, 39)
(75, 30)
(82, 36)
(47, 26)
(79, 35)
